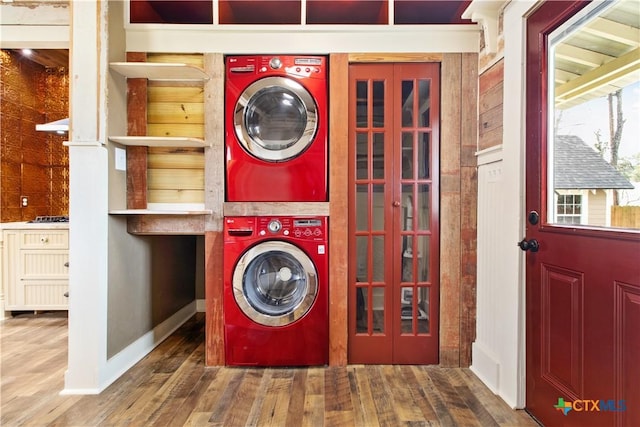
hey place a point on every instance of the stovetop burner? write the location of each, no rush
(59, 218)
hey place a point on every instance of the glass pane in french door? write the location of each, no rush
(369, 206)
(415, 196)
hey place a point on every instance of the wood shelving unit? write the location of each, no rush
(159, 141)
(160, 71)
(177, 73)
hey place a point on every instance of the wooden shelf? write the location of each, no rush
(159, 141)
(160, 71)
(159, 212)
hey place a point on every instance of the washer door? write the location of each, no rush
(275, 283)
(275, 119)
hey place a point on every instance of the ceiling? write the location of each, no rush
(48, 58)
(600, 58)
(603, 56)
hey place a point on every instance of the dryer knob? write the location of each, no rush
(275, 63)
(274, 226)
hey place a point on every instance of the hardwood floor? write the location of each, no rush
(172, 387)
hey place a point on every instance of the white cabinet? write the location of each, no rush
(35, 269)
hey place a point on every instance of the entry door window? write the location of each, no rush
(394, 205)
(594, 103)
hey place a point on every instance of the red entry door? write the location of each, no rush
(583, 276)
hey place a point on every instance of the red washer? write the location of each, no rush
(276, 128)
(276, 291)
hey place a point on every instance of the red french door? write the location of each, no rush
(582, 273)
(394, 206)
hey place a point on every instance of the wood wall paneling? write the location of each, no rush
(214, 137)
(490, 110)
(450, 143)
(468, 206)
(166, 225)
(136, 126)
(338, 208)
(214, 200)
(214, 282)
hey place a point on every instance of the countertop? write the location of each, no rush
(34, 225)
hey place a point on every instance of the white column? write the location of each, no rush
(88, 195)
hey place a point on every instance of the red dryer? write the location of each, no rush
(276, 128)
(276, 291)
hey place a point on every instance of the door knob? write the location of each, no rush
(529, 245)
(396, 204)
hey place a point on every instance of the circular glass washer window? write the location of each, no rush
(275, 283)
(275, 119)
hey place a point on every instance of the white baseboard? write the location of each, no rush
(485, 366)
(133, 353)
(201, 305)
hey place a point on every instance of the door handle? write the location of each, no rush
(529, 245)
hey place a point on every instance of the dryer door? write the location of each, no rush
(275, 119)
(275, 283)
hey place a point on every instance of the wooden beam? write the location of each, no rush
(137, 126)
(214, 293)
(611, 30)
(338, 208)
(598, 77)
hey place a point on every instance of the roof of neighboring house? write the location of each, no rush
(578, 166)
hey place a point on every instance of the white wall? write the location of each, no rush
(499, 350)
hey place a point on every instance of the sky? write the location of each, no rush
(584, 120)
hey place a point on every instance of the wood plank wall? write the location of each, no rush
(490, 106)
(175, 175)
(136, 126)
(458, 202)
(214, 200)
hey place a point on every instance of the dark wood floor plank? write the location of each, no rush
(433, 396)
(226, 404)
(418, 395)
(183, 412)
(256, 407)
(337, 390)
(405, 406)
(296, 399)
(171, 387)
(238, 412)
(498, 408)
(381, 397)
(359, 413)
(473, 403)
(314, 398)
(456, 406)
(275, 404)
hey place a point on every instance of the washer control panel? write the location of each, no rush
(301, 228)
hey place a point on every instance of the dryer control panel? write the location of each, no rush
(298, 66)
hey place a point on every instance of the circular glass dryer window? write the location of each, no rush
(275, 119)
(275, 283)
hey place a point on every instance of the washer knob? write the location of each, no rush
(275, 63)
(274, 226)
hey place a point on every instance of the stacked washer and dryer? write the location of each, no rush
(276, 268)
